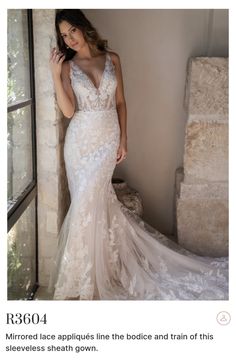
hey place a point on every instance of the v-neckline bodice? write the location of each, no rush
(88, 78)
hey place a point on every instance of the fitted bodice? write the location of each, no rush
(89, 97)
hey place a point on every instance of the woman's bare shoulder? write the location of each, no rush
(114, 57)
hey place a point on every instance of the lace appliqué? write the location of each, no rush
(88, 96)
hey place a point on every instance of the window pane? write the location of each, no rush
(18, 57)
(21, 255)
(19, 144)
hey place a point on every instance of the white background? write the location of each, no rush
(134, 317)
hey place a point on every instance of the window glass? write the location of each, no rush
(21, 255)
(18, 87)
(19, 144)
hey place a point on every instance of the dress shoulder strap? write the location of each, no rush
(110, 60)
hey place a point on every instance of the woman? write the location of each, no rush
(104, 250)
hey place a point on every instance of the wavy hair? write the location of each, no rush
(77, 18)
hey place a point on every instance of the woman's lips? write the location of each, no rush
(74, 45)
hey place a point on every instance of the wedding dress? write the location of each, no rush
(105, 251)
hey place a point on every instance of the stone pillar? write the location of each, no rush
(202, 189)
(53, 197)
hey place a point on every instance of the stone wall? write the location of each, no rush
(202, 189)
(53, 196)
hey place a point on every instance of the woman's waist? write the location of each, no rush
(101, 119)
(110, 110)
(92, 116)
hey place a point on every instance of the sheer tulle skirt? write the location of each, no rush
(105, 251)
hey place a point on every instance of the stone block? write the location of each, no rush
(44, 77)
(202, 218)
(48, 193)
(45, 265)
(45, 111)
(208, 87)
(204, 191)
(48, 244)
(206, 151)
(51, 222)
(48, 136)
(47, 159)
(48, 222)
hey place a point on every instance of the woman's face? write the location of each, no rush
(72, 36)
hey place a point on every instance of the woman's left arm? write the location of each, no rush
(121, 108)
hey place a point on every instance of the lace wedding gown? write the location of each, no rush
(105, 251)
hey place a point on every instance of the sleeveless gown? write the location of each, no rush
(106, 252)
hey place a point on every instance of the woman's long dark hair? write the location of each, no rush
(76, 18)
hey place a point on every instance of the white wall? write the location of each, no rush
(154, 47)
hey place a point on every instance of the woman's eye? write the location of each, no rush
(73, 30)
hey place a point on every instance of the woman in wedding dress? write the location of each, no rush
(106, 252)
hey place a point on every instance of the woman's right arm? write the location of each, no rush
(61, 78)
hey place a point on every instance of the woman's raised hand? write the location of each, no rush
(55, 62)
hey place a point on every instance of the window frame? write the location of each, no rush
(30, 193)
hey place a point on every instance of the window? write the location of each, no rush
(22, 178)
